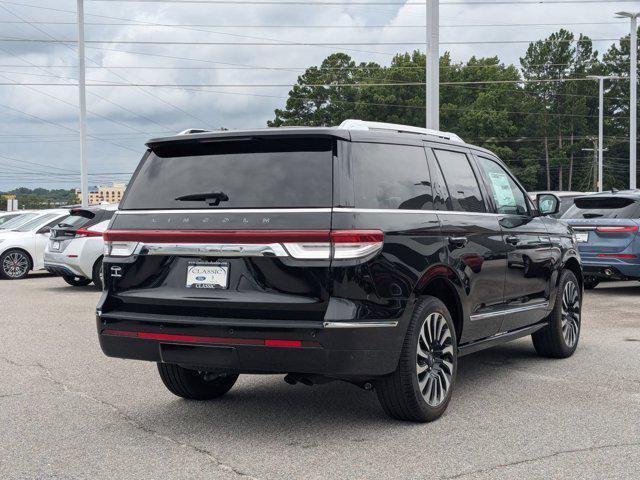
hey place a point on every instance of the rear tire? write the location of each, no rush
(76, 281)
(420, 389)
(560, 338)
(97, 274)
(191, 384)
(590, 283)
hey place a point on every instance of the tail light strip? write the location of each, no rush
(299, 244)
(618, 255)
(617, 229)
(267, 342)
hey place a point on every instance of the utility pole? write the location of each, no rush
(84, 183)
(432, 74)
(633, 98)
(601, 79)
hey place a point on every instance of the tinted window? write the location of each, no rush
(245, 173)
(37, 222)
(507, 196)
(461, 181)
(17, 221)
(6, 218)
(73, 221)
(390, 177)
(603, 207)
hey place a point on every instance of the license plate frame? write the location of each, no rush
(207, 275)
(582, 237)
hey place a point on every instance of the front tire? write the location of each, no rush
(192, 384)
(76, 281)
(560, 338)
(420, 389)
(14, 265)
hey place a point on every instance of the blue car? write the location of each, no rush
(606, 229)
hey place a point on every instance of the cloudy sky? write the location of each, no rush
(38, 124)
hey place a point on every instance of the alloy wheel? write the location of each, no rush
(570, 314)
(15, 265)
(434, 359)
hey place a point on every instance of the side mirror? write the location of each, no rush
(44, 230)
(548, 203)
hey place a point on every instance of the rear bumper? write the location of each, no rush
(612, 268)
(253, 346)
(60, 264)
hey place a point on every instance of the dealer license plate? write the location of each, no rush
(208, 275)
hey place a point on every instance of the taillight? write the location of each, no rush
(299, 244)
(83, 232)
(612, 229)
(339, 245)
(618, 255)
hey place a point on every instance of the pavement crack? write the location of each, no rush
(593, 448)
(48, 375)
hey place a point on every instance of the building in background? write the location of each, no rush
(103, 193)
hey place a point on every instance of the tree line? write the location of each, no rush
(540, 117)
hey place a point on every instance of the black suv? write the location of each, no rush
(372, 253)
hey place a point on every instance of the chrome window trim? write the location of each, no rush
(507, 311)
(229, 210)
(412, 212)
(381, 324)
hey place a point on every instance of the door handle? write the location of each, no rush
(457, 242)
(512, 240)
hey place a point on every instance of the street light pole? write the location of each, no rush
(432, 74)
(633, 99)
(84, 182)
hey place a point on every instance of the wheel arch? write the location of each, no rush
(573, 264)
(440, 282)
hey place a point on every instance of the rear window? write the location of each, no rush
(391, 177)
(235, 173)
(73, 221)
(603, 207)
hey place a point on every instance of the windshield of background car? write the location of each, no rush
(235, 173)
(17, 221)
(38, 222)
(603, 207)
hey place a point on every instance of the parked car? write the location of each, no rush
(75, 247)
(372, 253)
(22, 248)
(14, 221)
(566, 200)
(606, 228)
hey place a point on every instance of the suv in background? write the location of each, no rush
(75, 247)
(606, 228)
(372, 253)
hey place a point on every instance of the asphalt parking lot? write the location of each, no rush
(67, 411)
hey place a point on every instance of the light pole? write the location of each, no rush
(601, 79)
(633, 79)
(84, 182)
(432, 73)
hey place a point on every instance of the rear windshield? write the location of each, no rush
(603, 207)
(73, 221)
(237, 173)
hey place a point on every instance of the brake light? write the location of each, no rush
(612, 229)
(617, 255)
(299, 244)
(83, 232)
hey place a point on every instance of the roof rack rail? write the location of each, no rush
(190, 131)
(353, 124)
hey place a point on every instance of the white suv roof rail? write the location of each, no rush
(353, 124)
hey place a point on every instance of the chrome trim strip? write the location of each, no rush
(360, 324)
(507, 311)
(229, 210)
(584, 228)
(437, 212)
(214, 249)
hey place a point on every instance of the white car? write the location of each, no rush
(74, 250)
(22, 248)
